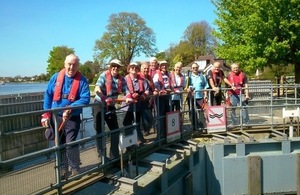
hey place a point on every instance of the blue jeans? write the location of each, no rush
(235, 101)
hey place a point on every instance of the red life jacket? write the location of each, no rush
(152, 72)
(60, 82)
(130, 84)
(237, 81)
(149, 79)
(160, 79)
(173, 80)
(214, 77)
(108, 83)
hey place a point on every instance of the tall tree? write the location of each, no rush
(197, 41)
(127, 36)
(199, 36)
(57, 58)
(259, 33)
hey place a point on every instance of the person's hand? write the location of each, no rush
(143, 97)
(109, 101)
(216, 89)
(45, 121)
(176, 90)
(129, 100)
(155, 92)
(163, 92)
(103, 98)
(168, 91)
(66, 114)
(135, 96)
(190, 89)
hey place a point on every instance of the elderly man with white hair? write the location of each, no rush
(66, 88)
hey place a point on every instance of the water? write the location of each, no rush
(16, 88)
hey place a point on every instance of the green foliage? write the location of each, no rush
(90, 70)
(199, 36)
(197, 41)
(276, 71)
(57, 58)
(127, 36)
(258, 33)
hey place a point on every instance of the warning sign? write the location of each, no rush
(216, 119)
(173, 126)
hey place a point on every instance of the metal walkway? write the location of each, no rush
(196, 162)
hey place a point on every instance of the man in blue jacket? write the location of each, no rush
(197, 96)
(65, 89)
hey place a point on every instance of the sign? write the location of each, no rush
(201, 64)
(216, 119)
(173, 126)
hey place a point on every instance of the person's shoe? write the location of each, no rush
(64, 174)
(75, 172)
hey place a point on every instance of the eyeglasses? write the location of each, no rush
(195, 67)
(115, 66)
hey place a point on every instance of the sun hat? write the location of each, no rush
(116, 61)
(153, 59)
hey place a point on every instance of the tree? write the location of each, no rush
(90, 70)
(57, 58)
(197, 41)
(183, 52)
(127, 36)
(199, 36)
(259, 33)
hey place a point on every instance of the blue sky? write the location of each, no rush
(30, 29)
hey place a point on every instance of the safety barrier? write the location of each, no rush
(28, 170)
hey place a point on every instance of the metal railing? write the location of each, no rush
(39, 172)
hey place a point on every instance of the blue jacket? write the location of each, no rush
(82, 98)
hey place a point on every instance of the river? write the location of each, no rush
(16, 88)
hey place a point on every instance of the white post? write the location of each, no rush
(291, 131)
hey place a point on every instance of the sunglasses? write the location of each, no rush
(115, 66)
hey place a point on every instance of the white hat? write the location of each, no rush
(133, 64)
(153, 59)
(116, 61)
(163, 62)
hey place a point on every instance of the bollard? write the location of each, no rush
(291, 129)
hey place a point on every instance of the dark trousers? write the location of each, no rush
(175, 105)
(69, 132)
(129, 120)
(197, 121)
(163, 106)
(216, 99)
(111, 120)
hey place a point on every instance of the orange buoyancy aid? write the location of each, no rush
(130, 83)
(173, 80)
(108, 83)
(60, 82)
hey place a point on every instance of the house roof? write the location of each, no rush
(205, 63)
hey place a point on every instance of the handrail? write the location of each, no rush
(272, 106)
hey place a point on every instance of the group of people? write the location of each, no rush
(145, 86)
